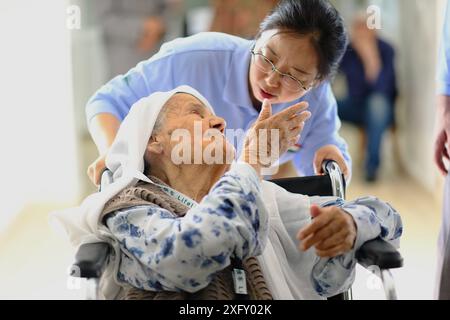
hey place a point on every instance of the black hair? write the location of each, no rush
(317, 19)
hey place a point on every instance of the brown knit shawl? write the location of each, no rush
(221, 286)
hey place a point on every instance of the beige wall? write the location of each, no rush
(413, 27)
(37, 136)
(419, 23)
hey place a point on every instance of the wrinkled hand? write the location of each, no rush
(330, 152)
(441, 151)
(95, 170)
(289, 124)
(332, 232)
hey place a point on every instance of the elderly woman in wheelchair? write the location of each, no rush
(191, 228)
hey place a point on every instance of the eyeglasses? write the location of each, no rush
(289, 82)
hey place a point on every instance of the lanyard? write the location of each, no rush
(178, 196)
(167, 190)
(239, 278)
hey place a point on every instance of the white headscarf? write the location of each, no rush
(125, 159)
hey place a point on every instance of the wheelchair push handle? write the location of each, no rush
(331, 168)
(330, 165)
(106, 179)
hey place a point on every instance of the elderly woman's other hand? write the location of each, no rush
(288, 123)
(332, 232)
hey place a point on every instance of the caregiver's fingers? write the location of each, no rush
(339, 160)
(344, 167)
(330, 152)
(317, 161)
(446, 155)
(95, 170)
(439, 148)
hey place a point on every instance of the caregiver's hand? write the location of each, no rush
(442, 142)
(330, 152)
(95, 170)
(332, 232)
(103, 128)
(289, 123)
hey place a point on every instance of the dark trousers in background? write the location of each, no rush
(374, 114)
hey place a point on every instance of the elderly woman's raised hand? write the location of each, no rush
(260, 150)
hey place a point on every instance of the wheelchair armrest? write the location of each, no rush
(379, 253)
(90, 260)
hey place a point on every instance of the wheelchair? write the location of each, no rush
(376, 255)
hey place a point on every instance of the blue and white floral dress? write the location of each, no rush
(242, 217)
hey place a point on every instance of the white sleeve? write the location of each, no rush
(374, 218)
(330, 276)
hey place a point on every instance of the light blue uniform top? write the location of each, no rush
(217, 66)
(444, 57)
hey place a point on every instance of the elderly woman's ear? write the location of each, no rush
(155, 145)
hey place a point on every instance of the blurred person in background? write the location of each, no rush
(179, 227)
(442, 150)
(132, 31)
(240, 17)
(237, 75)
(368, 67)
(197, 15)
